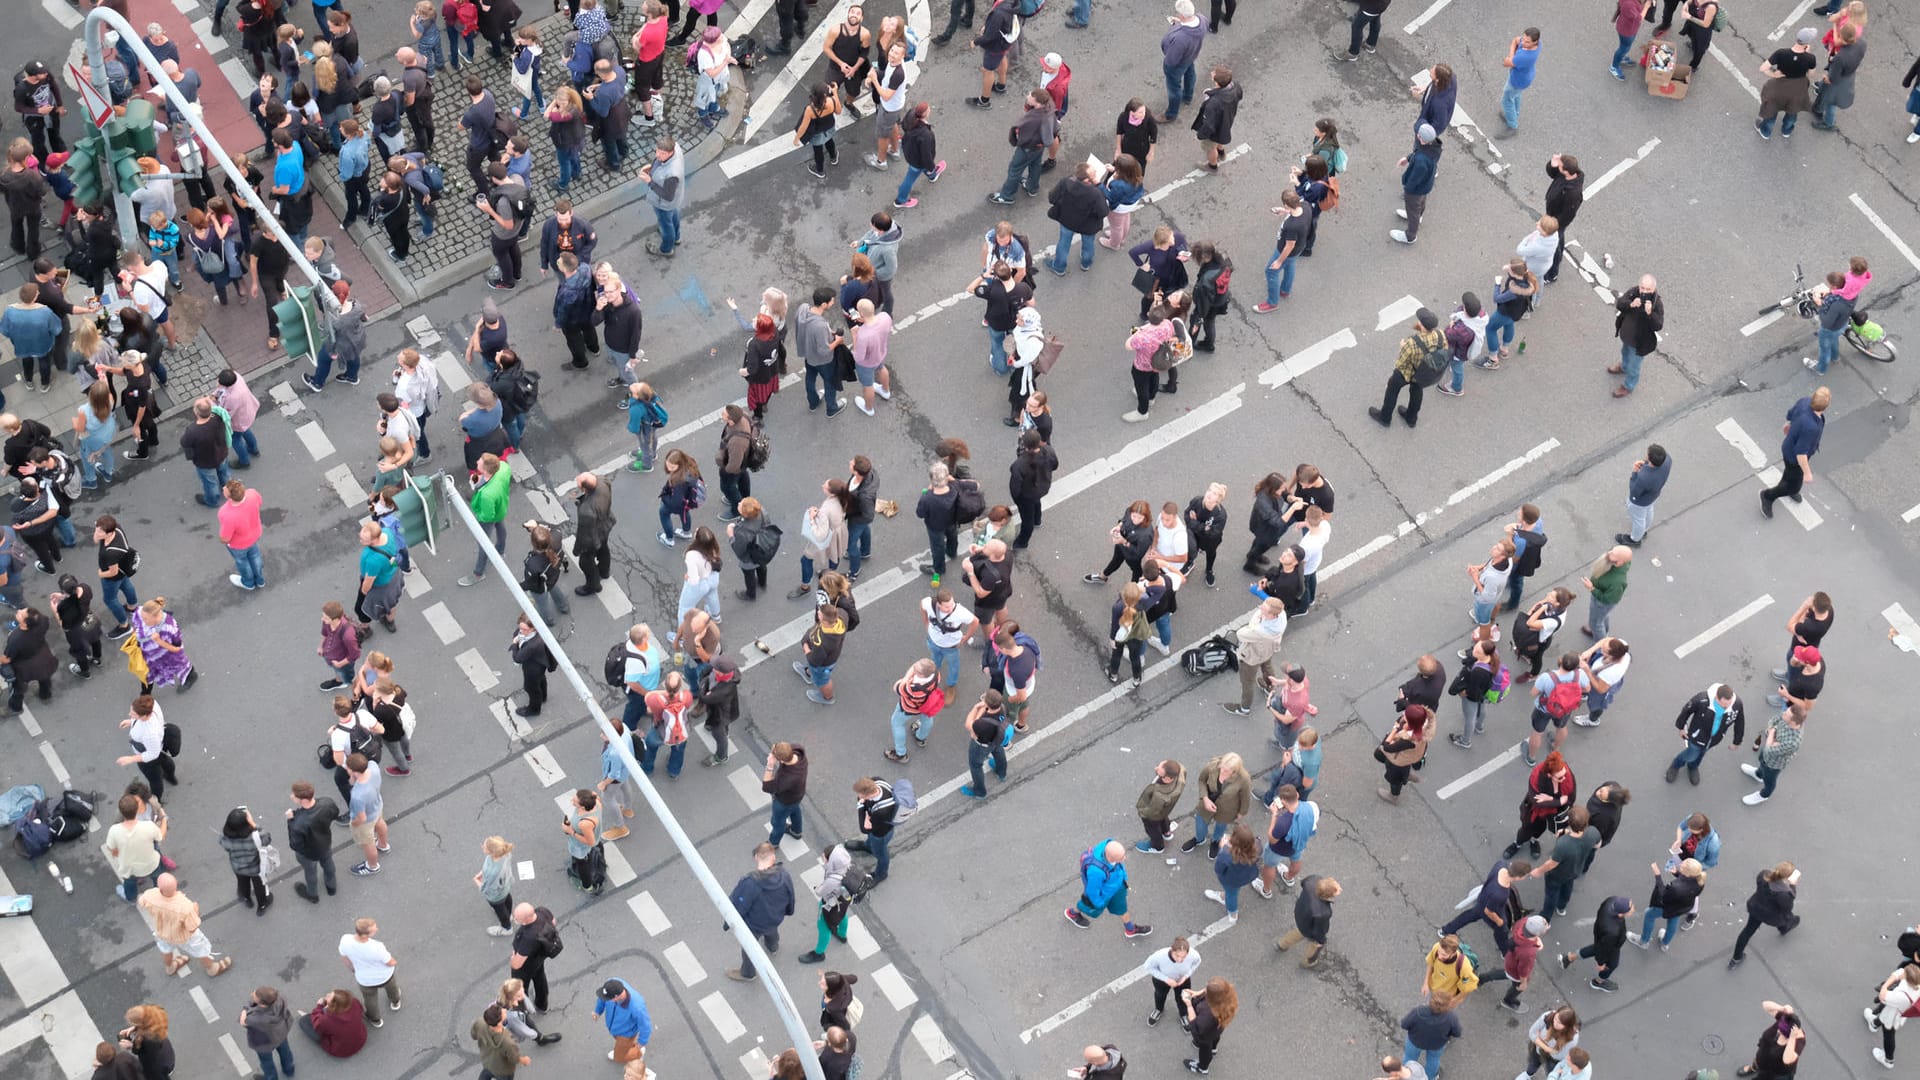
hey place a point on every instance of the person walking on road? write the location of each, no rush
(1236, 867)
(1606, 583)
(1648, 479)
(1897, 999)
(785, 780)
(1517, 966)
(989, 731)
(535, 940)
(1312, 917)
(1703, 721)
(1429, 1027)
(1416, 349)
(1806, 422)
(175, 922)
(1417, 172)
(874, 811)
(1492, 904)
(1031, 136)
(835, 896)
(1366, 18)
(593, 530)
(1609, 936)
(1103, 876)
(625, 1013)
(500, 1055)
(764, 899)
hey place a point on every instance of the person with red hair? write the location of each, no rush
(765, 360)
(1550, 792)
(1403, 748)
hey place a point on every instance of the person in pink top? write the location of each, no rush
(1290, 706)
(870, 355)
(241, 407)
(1144, 341)
(240, 530)
(1858, 276)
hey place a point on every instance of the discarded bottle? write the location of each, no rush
(1523, 345)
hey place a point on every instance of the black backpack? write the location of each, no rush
(170, 739)
(616, 668)
(69, 817)
(968, 502)
(759, 449)
(1433, 364)
(32, 836)
(1212, 655)
(550, 942)
(526, 389)
(856, 882)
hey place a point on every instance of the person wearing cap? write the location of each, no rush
(1418, 170)
(625, 1013)
(1425, 339)
(1806, 675)
(36, 97)
(1787, 89)
(1517, 967)
(1609, 936)
(1179, 48)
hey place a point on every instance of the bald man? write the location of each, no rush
(1639, 315)
(1606, 583)
(1103, 1062)
(1103, 889)
(175, 921)
(593, 530)
(1806, 422)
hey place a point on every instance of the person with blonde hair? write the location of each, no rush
(1226, 790)
(161, 645)
(1672, 902)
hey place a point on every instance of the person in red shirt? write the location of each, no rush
(240, 530)
(1518, 968)
(650, 46)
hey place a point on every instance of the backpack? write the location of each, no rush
(616, 667)
(1563, 698)
(1331, 200)
(1468, 960)
(435, 177)
(856, 883)
(1162, 359)
(526, 389)
(170, 739)
(1212, 655)
(594, 867)
(32, 837)
(69, 817)
(968, 502)
(904, 799)
(1500, 684)
(913, 43)
(698, 496)
(1433, 364)
(1087, 859)
(759, 449)
(550, 942)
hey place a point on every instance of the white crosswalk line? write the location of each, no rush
(28, 723)
(1802, 512)
(1134, 974)
(1146, 446)
(1486, 768)
(793, 849)
(28, 963)
(1308, 358)
(756, 1064)
(315, 439)
(926, 1032)
(652, 919)
(1704, 637)
(721, 1015)
(64, 1024)
(241, 1066)
(53, 762)
(767, 104)
(1886, 230)
(813, 875)
(347, 486)
(482, 676)
(546, 768)
(859, 939)
(789, 633)
(443, 623)
(614, 599)
(201, 1002)
(747, 783)
(619, 871)
(894, 986)
(1397, 312)
(417, 584)
(1736, 435)
(684, 964)
(510, 722)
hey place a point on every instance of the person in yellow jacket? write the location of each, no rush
(489, 505)
(1449, 969)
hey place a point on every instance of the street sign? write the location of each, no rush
(99, 109)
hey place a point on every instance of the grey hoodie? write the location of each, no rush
(268, 1025)
(883, 249)
(811, 335)
(828, 891)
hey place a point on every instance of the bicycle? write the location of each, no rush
(1869, 338)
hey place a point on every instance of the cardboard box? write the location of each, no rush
(1670, 85)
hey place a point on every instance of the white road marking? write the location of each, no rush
(524, 869)
(704, 423)
(789, 633)
(747, 783)
(1907, 631)
(417, 583)
(420, 326)
(1705, 637)
(27, 721)
(768, 102)
(813, 875)
(53, 762)
(1734, 70)
(64, 1023)
(652, 919)
(773, 149)
(545, 768)
(860, 939)
(185, 7)
(213, 43)
(725, 1021)
(1144, 447)
(927, 1033)
(344, 483)
(1762, 322)
(1307, 359)
(1463, 124)
(1789, 22)
(1426, 16)
(452, 370)
(1487, 768)
(522, 467)
(685, 965)
(241, 1066)
(619, 871)
(63, 13)
(1501, 473)
(1886, 231)
(1731, 431)
(443, 623)
(1614, 173)
(1398, 312)
(1134, 974)
(756, 1064)
(1361, 552)
(792, 849)
(894, 986)
(236, 74)
(1172, 186)
(201, 1002)
(1906, 518)
(545, 506)
(510, 722)
(1802, 511)
(283, 395)
(700, 732)
(483, 677)
(28, 963)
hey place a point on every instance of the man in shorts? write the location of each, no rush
(175, 921)
(1020, 672)
(369, 824)
(997, 35)
(889, 85)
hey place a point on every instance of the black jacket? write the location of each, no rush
(1772, 902)
(23, 191)
(1636, 327)
(621, 325)
(1208, 527)
(1214, 123)
(1311, 915)
(789, 783)
(593, 516)
(23, 92)
(1609, 928)
(1696, 720)
(580, 232)
(205, 444)
(1528, 561)
(20, 445)
(1031, 474)
(1079, 207)
(1424, 690)
(722, 700)
(310, 831)
(864, 498)
(916, 142)
(1564, 195)
(764, 898)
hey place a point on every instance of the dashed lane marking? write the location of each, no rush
(652, 919)
(1790, 21)
(789, 633)
(1906, 632)
(545, 768)
(1705, 637)
(204, 1004)
(1620, 169)
(1133, 975)
(348, 488)
(53, 762)
(793, 849)
(68, 1030)
(894, 986)
(1912, 512)
(706, 737)
(1737, 436)
(417, 583)
(1802, 511)
(860, 939)
(768, 102)
(1886, 231)
(619, 870)
(511, 722)
(926, 1032)
(1433, 9)
(747, 783)
(1144, 447)
(1485, 769)
(316, 441)
(726, 1023)
(483, 677)
(27, 722)
(63, 13)
(443, 623)
(685, 965)
(1308, 358)
(1762, 322)
(1398, 312)
(756, 1063)
(241, 1067)
(1734, 70)
(1164, 190)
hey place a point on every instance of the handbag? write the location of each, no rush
(1049, 354)
(269, 855)
(208, 261)
(1143, 280)
(843, 366)
(855, 1010)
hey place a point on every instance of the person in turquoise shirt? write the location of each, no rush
(489, 504)
(1522, 55)
(34, 329)
(380, 578)
(1306, 754)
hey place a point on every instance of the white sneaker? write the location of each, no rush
(1132, 417)
(1259, 887)
(885, 394)
(1810, 363)
(1880, 1055)
(1913, 138)
(1398, 237)
(1751, 771)
(861, 404)
(1637, 940)
(1754, 799)
(1401, 214)
(1163, 650)
(1216, 896)
(1233, 917)
(1584, 720)
(498, 931)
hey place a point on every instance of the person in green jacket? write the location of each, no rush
(1606, 580)
(500, 1055)
(489, 504)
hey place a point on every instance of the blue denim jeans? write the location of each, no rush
(686, 522)
(1630, 364)
(1556, 896)
(1510, 105)
(1082, 11)
(211, 481)
(1499, 331)
(1025, 161)
(1688, 758)
(877, 847)
(946, 662)
(859, 544)
(1620, 54)
(1208, 832)
(1280, 281)
(432, 51)
(117, 593)
(1179, 87)
(1829, 349)
(902, 721)
(705, 594)
(1787, 122)
(676, 755)
(267, 1070)
(1065, 246)
(323, 367)
(537, 101)
(1824, 111)
(569, 160)
(1768, 778)
(515, 425)
(1483, 611)
(1414, 1053)
(247, 561)
(246, 447)
(806, 569)
(997, 351)
(978, 756)
(784, 816)
(1459, 369)
(1667, 935)
(828, 390)
(906, 186)
(669, 228)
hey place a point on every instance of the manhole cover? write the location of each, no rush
(1712, 1044)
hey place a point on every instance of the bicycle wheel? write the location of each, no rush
(1881, 350)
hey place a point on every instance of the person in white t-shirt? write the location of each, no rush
(144, 285)
(1312, 543)
(949, 626)
(889, 85)
(373, 968)
(1489, 581)
(1606, 665)
(1171, 539)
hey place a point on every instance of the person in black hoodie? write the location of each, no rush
(917, 145)
(836, 998)
(721, 697)
(1028, 481)
(1214, 121)
(764, 898)
(1213, 277)
(1604, 807)
(1772, 905)
(1565, 192)
(1080, 206)
(863, 486)
(1206, 518)
(786, 780)
(1609, 934)
(1702, 723)
(31, 659)
(310, 834)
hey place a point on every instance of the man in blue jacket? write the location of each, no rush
(627, 1020)
(1806, 422)
(1649, 478)
(1416, 182)
(1103, 888)
(764, 898)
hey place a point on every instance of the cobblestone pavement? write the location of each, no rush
(460, 230)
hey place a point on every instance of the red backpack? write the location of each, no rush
(1563, 698)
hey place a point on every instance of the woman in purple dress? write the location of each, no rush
(160, 643)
